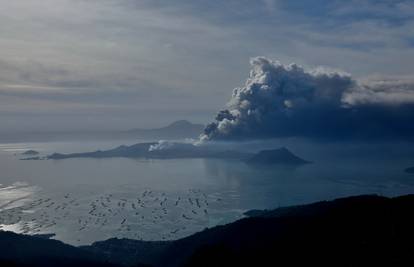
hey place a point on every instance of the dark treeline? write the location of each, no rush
(355, 231)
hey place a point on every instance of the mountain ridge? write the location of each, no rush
(175, 130)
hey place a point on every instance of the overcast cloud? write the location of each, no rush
(107, 64)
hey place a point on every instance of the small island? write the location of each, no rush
(280, 156)
(30, 153)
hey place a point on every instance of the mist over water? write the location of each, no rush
(84, 200)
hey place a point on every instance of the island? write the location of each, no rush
(174, 150)
(157, 150)
(280, 156)
(30, 153)
(366, 230)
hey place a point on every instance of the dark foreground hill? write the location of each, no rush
(355, 231)
(24, 250)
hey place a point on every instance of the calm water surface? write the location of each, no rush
(85, 200)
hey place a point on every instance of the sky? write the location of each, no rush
(119, 64)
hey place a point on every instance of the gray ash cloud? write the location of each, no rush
(287, 100)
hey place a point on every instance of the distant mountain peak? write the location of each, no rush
(180, 123)
(177, 129)
(185, 124)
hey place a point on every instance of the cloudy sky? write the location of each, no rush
(108, 64)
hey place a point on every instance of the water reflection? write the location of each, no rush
(84, 200)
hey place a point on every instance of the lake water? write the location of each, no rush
(85, 200)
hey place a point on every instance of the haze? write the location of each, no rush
(73, 65)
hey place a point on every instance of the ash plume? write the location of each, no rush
(287, 100)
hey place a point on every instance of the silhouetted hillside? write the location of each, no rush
(354, 231)
(24, 250)
(357, 231)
